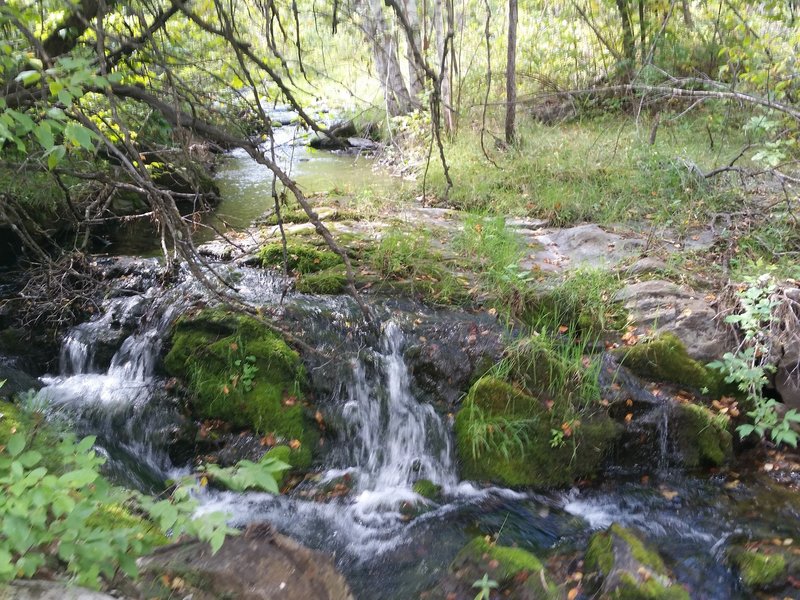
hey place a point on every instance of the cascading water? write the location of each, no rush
(396, 440)
(118, 403)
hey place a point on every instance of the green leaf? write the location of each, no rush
(55, 156)
(45, 135)
(16, 444)
(79, 135)
(78, 478)
(28, 77)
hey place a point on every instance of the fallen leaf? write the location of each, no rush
(563, 329)
(295, 444)
(669, 494)
(628, 417)
(572, 594)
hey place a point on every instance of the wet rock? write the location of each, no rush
(448, 351)
(48, 590)
(427, 489)
(260, 564)
(665, 306)
(516, 573)
(16, 380)
(344, 143)
(618, 564)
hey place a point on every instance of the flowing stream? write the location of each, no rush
(110, 384)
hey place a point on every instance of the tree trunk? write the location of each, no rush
(628, 43)
(387, 63)
(440, 22)
(511, 73)
(642, 32)
(415, 72)
(687, 14)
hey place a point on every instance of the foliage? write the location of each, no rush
(748, 367)
(246, 474)
(485, 586)
(48, 515)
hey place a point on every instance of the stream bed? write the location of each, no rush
(111, 383)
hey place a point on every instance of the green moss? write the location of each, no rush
(211, 351)
(651, 583)
(759, 570)
(512, 561)
(330, 281)
(702, 437)
(427, 489)
(302, 258)
(112, 517)
(664, 358)
(504, 435)
(630, 588)
(296, 458)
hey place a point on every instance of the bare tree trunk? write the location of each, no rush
(415, 70)
(387, 63)
(642, 32)
(511, 73)
(440, 20)
(687, 14)
(628, 43)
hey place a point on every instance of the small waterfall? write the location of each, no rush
(663, 436)
(396, 439)
(121, 405)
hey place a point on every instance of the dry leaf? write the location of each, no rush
(572, 594)
(295, 444)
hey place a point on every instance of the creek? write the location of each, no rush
(111, 383)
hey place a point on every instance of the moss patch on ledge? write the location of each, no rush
(240, 372)
(505, 435)
(702, 437)
(758, 570)
(301, 258)
(664, 358)
(328, 282)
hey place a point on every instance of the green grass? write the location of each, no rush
(600, 170)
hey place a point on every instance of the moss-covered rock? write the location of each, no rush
(506, 436)
(664, 358)
(239, 371)
(517, 572)
(427, 489)
(759, 570)
(619, 565)
(330, 281)
(301, 258)
(702, 438)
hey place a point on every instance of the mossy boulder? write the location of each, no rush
(758, 569)
(505, 435)
(517, 573)
(664, 358)
(427, 489)
(619, 565)
(702, 438)
(328, 282)
(239, 371)
(301, 258)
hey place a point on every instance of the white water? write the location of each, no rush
(115, 403)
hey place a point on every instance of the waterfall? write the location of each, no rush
(395, 439)
(121, 404)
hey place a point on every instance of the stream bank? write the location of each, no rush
(380, 485)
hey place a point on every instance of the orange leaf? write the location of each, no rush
(295, 444)
(628, 417)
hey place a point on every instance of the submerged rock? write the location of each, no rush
(505, 435)
(515, 573)
(619, 565)
(260, 564)
(758, 570)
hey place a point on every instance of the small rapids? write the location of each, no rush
(382, 533)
